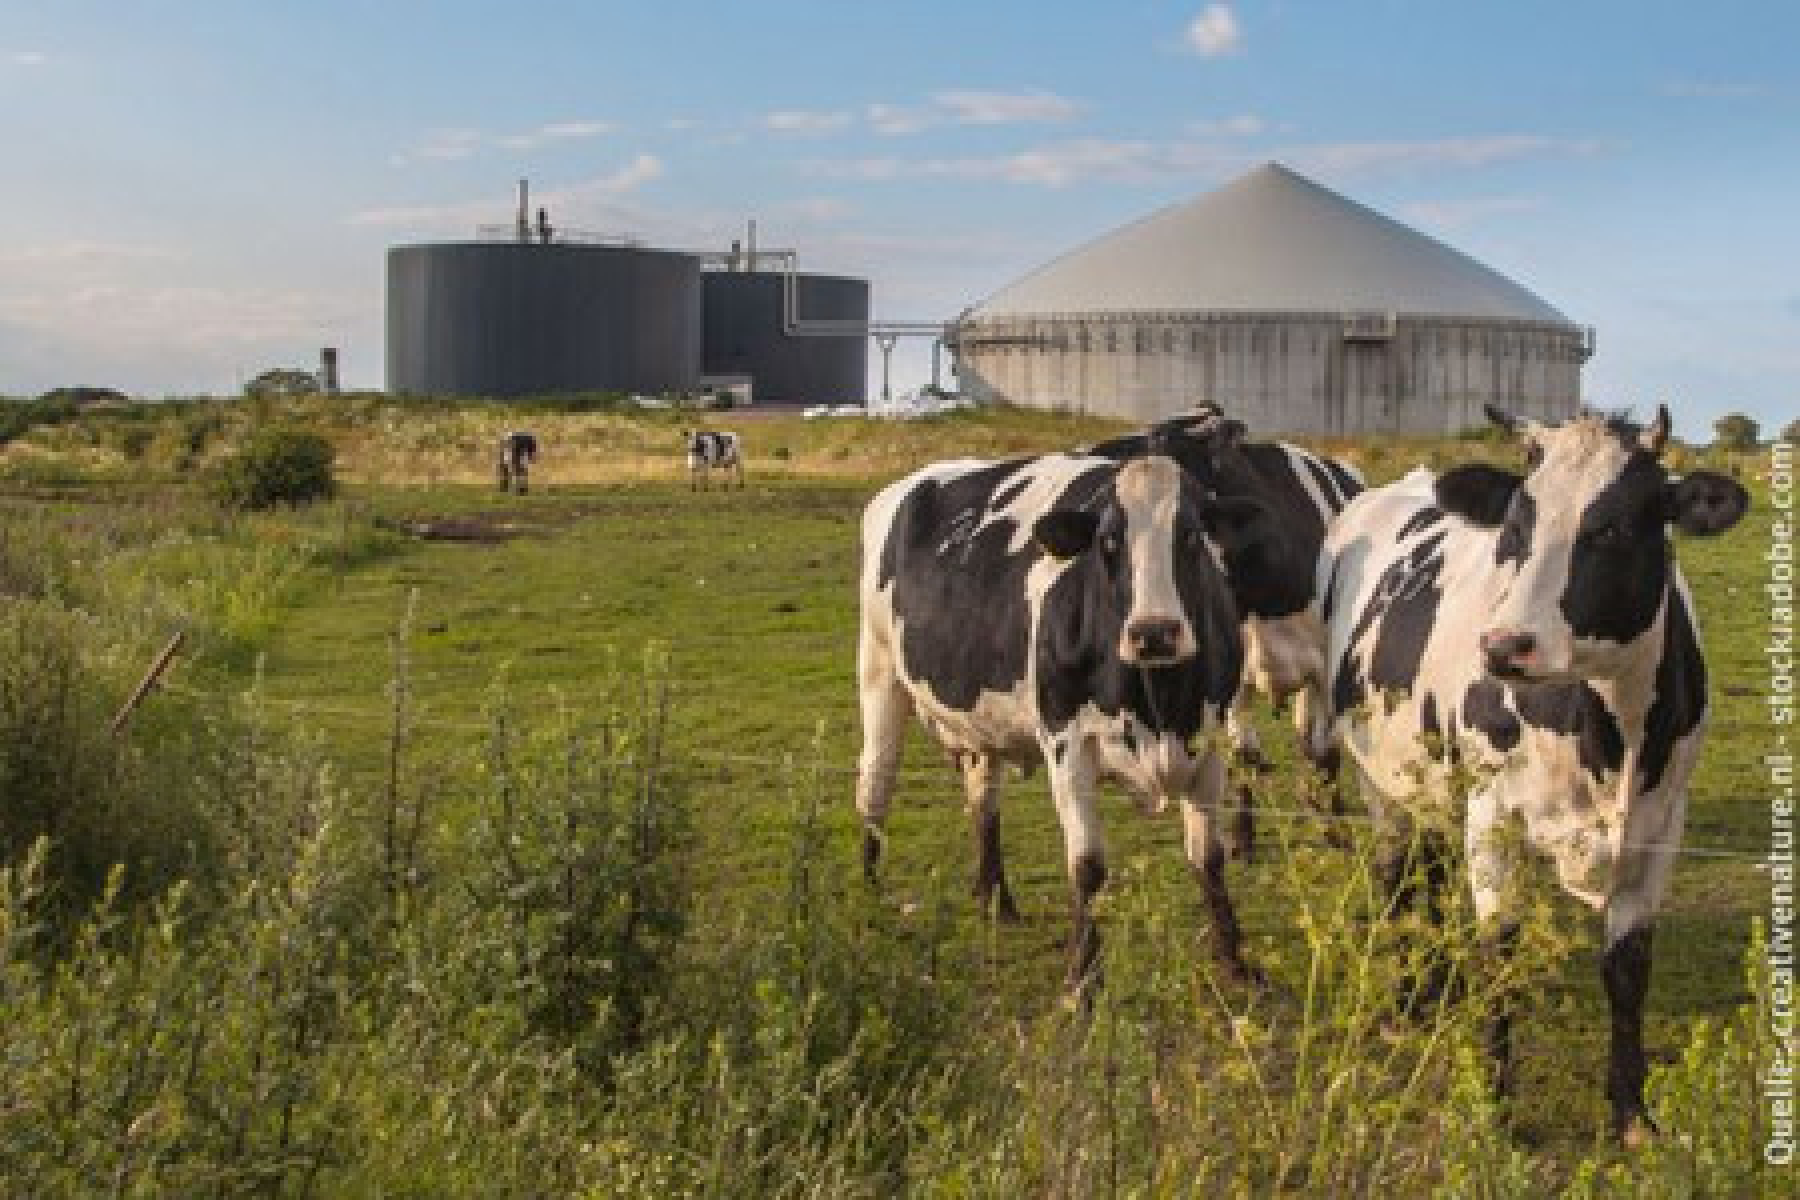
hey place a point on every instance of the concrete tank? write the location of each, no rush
(743, 324)
(516, 319)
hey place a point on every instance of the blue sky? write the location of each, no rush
(197, 190)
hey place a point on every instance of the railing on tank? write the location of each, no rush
(558, 236)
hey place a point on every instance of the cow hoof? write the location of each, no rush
(1245, 974)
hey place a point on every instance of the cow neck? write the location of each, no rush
(1629, 694)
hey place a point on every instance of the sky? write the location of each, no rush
(196, 190)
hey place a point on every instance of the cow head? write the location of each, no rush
(1582, 551)
(1147, 542)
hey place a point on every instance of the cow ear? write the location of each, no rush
(1065, 532)
(1477, 493)
(1704, 503)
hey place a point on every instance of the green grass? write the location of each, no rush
(746, 600)
(753, 595)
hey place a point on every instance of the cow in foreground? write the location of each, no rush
(1062, 608)
(1284, 645)
(710, 450)
(1532, 637)
(518, 450)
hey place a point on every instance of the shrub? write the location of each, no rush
(1736, 432)
(279, 467)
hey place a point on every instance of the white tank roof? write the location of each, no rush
(1271, 241)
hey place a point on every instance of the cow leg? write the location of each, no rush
(1206, 855)
(1625, 968)
(1074, 782)
(1240, 839)
(981, 784)
(886, 707)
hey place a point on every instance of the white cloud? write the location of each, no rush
(1459, 214)
(1065, 163)
(450, 145)
(464, 217)
(971, 107)
(28, 58)
(806, 124)
(1241, 125)
(1215, 32)
(894, 119)
(555, 131)
(1055, 165)
(84, 253)
(1004, 108)
(1472, 151)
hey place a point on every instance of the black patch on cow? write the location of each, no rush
(1347, 485)
(1477, 493)
(1619, 568)
(1006, 495)
(1420, 521)
(1401, 612)
(1327, 484)
(1680, 694)
(958, 591)
(1129, 739)
(1625, 970)
(1059, 750)
(1574, 710)
(1484, 710)
(1514, 543)
(1428, 716)
(1347, 688)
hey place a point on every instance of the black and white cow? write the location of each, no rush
(710, 450)
(1284, 645)
(1530, 639)
(1063, 608)
(518, 450)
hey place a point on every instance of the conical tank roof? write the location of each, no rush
(1270, 241)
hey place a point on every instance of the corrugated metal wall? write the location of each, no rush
(1280, 373)
(512, 319)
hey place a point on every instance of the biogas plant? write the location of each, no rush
(1295, 308)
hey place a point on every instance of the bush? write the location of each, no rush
(279, 467)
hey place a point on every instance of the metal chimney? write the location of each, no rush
(524, 210)
(328, 370)
(750, 257)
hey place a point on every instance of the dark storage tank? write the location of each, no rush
(743, 323)
(514, 319)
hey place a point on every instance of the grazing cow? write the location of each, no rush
(1284, 646)
(518, 450)
(1530, 640)
(707, 451)
(1065, 608)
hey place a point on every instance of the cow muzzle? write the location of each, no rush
(1156, 642)
(1510, 654)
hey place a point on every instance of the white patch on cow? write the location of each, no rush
(1149, 491)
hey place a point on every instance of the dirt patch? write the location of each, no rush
(471, 528)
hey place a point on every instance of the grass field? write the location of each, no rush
(744, 601)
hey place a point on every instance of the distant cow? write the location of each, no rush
(1283, 642)
(708, 451)
(1532, 637)
(1063, 608)
(518, 450)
